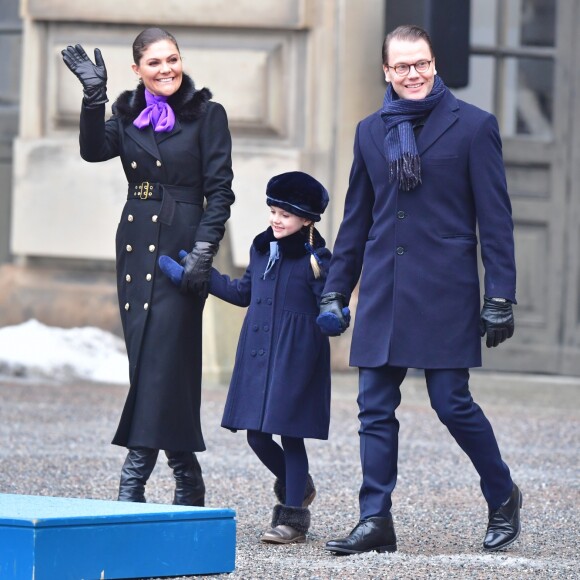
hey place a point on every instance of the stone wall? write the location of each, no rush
(294, 76)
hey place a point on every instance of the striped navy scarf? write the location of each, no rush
(400, 147)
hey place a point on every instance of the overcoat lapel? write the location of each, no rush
(443, 116)
(147, 138)
(160, 137)
(144, 138)
(379, 132)
(440, 120)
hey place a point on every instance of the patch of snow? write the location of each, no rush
(34, 350)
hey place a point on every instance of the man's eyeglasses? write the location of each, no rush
(403, 69)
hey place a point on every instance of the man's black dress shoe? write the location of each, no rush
(376, 534)
(504, 523)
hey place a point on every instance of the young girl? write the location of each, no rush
(281, 379)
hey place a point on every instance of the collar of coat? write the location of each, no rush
(291, 246)
(187, 102)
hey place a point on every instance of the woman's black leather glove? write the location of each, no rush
(93, 76)
(197, 268)
(497, 320)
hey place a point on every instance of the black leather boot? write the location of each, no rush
(135, 472)
(504, 523)
(309, 492)
(375, 533)
(189, 486)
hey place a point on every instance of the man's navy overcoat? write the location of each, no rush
(281, 378)
(419, 295)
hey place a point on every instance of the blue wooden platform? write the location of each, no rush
(56, 538)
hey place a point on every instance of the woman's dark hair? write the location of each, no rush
(409, 32)
(148, 37)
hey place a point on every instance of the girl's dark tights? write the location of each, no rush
(289, 462)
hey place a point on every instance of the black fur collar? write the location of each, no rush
(290, 246)
(187, 102)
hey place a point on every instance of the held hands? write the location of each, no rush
(172, 269)
(191, 274)
(497, 320)
(93, 77)
(334, 317)
(197, 268)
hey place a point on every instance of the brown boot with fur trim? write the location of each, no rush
(309, 492)
(289, 525)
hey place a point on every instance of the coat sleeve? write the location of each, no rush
(216, 151)
(237, 292)
(494, 212)
(348, 252)
(99, 140)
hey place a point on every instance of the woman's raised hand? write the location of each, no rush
(93, 76)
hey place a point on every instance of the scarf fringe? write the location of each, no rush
(407, 169)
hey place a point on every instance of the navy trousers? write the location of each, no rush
(380, 395)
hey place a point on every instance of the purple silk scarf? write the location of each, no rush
(157, 113)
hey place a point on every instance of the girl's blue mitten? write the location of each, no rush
(331, 325)
(172, 269)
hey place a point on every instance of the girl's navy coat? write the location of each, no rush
(419, 295)
(190, 165)
(281, 378)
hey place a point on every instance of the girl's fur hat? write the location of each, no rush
(297, 193)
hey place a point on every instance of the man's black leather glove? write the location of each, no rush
(334, 317)
(197, 268)
(93, 77)
(497, 320)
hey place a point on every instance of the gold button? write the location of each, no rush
(134, 164)
(127, 306)
(128, 277)
(151, 248)
(154, 218)
(158, 163)
(148, 277)
(146, 306)
(129, 248)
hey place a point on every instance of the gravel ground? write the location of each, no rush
(54, 440)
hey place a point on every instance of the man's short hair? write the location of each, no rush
(410, 32)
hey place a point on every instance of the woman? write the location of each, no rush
(175, 147)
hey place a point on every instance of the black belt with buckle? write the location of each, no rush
(168, 194)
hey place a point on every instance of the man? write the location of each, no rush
(427, 169)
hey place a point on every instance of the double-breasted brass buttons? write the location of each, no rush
(128, 277)
(158, 163)
(134, 164)
(148, 277)
(130, 218)
(154, 218)
(129, 248)
(127, 306)
(151, 248)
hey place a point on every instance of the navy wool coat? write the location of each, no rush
(281, 378)
(419, 295)
(183, 169)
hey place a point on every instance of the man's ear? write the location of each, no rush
(387, 73)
